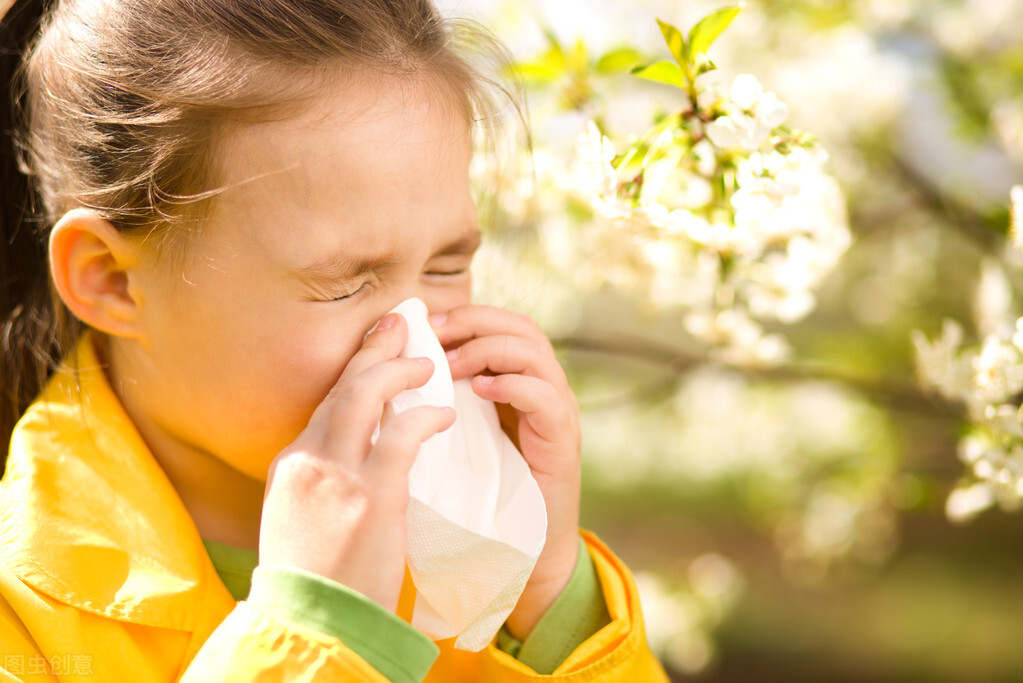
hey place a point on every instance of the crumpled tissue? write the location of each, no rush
(476, 519)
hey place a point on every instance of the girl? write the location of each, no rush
(230, 194)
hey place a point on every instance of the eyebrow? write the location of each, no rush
(465, 245)
(341, 267)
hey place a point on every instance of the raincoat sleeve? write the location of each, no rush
(297, 626)
(577, 614)
(255, 636)
(617, 653)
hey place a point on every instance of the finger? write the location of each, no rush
(468, 322)
(400, 439)
(387, 414)
(384, 342)
(506, 354)
(547, 409)
(356, 408)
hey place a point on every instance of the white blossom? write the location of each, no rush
(736, 338)
(737, 190)
(996, 462)
(1016, 217)
(708, 89)
(749, 96)
(988, 379)
(1017, 335)
(594, 154)
(738, 130)
(783, 229)
(746, 91)
(783, 289)
(706, 158)
(939, 363)
(770, 111)
(965, 503)
(993, 299)
(1004, 419)
(997, 371)
(752, 115)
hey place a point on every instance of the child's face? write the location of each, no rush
(332, 218)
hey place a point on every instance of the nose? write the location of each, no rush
(438, 298)
(406, 293)
(428, 295)
(399, 296)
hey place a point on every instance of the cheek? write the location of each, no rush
(309, 362)
(278, 384)
(246, 380)
(296, 362)
(248, 344)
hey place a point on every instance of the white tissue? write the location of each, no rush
(476, 519)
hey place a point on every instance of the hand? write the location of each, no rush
(335, 504)
(539, 412)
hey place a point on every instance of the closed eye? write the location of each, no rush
(447, 272)
(350, 294)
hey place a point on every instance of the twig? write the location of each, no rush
(896, 395)
(973, 223)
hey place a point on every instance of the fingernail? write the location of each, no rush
(423, 359)
(452, 354)
(387, 321)
(437, 319)
(486, 380)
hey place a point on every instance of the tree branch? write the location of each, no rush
(897, 395)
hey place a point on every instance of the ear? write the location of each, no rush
(92, 267)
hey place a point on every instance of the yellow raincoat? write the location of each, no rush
(104, 576)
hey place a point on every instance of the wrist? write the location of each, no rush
(548, 581)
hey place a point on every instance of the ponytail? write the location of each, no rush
(28, 315)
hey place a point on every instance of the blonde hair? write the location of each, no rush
(121, 102)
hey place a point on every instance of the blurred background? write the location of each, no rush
(795, 502)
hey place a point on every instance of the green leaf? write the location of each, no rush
(552, 39)
(676, 43)
(554, 58)
(617, 61)
(578, 59)
(534, 73)
(707, 30)
(544, 70)
(662, 72)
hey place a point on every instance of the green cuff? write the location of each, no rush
(388, 644)
(578, 613)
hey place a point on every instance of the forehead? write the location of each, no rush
(362, 156)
